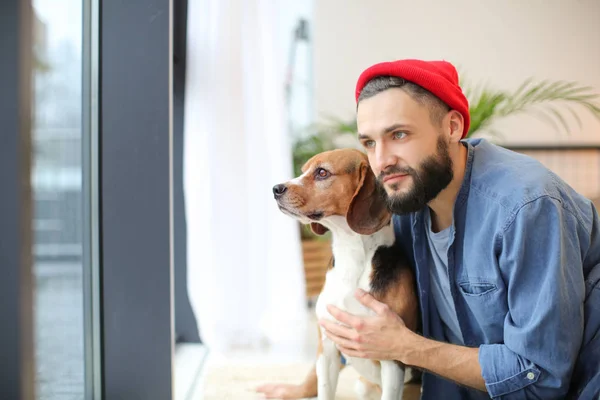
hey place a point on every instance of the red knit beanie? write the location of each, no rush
(439, 77)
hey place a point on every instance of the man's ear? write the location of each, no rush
(368, 210)
(318, 228)
(456, 123)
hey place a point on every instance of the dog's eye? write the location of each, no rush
(322, 173)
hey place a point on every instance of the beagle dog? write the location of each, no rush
(338, 192)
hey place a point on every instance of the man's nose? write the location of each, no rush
(384, 158)
(279, 190)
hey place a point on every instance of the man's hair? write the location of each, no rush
(437, 108)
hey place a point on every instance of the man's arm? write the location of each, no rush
(457, 363)
(541, 260)
(386, 337)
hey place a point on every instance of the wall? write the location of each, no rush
(501, 43)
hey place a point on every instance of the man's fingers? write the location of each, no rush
(342, 342)
(368, 300)
(352, 352)
(337, 329)
(346, 318)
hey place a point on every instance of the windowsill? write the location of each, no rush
(189, 361)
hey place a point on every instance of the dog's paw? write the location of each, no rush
(285, 391)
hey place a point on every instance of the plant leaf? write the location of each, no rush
(539, 114)
(561, 119)
(575, 116)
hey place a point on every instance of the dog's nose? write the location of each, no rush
(279, 190)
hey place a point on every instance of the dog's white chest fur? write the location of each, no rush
(353, 256)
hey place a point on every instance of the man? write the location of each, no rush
(506, 254)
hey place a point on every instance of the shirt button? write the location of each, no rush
(530, 376)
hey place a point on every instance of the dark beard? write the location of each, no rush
(434, 175)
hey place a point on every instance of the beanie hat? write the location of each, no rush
(438, 77)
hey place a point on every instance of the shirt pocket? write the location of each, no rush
(485, 307)
(476, 288)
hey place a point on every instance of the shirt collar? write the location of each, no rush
(463, 193)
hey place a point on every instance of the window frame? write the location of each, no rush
(135, 198)
(16, 247)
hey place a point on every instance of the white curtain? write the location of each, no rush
(245, 275)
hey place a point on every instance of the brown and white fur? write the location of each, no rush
(337, 192)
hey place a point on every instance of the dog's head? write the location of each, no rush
(335, 183)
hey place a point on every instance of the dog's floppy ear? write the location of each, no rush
(368, 210)
(318, 228)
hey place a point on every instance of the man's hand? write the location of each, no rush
(382, 337)
(385, 337)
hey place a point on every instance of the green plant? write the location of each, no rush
(538, 99)
(306, 147)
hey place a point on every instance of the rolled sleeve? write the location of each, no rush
(541, 261)
(504, 372)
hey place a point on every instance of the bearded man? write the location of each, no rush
(506, 254)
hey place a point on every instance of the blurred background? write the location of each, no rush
(259, 86)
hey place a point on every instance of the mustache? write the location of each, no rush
(395, 169)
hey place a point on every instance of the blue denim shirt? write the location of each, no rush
(524, 270)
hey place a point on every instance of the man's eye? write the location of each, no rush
(322, 173)
(399, 135)
(369, 144)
